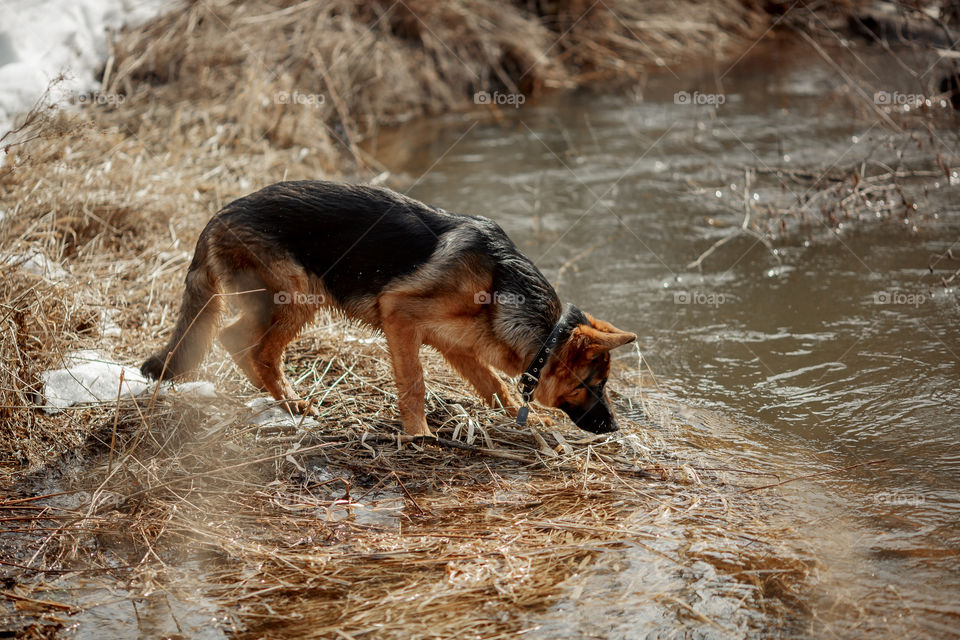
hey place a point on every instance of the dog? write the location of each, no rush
(418, 273)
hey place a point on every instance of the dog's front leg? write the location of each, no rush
(490, 387)
(487, 383)
(404, 340)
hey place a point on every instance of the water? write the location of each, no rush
(838, 351)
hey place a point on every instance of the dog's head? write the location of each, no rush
(575, 378)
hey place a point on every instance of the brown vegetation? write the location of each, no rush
(315, 530)
(206, 111)
(178, 496)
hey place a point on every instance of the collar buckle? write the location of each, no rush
(526, 385)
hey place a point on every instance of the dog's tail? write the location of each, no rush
(197, 324)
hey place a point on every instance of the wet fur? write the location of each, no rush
(411, 270)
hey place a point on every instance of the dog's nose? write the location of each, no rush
(597, 422)
(609, 426)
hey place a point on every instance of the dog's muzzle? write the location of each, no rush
(595, 417)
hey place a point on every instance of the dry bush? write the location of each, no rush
(353, 66)
(616, 41)
(358, 66)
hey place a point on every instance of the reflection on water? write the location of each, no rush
(842, 354)
(117, 614)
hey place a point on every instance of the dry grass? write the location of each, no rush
(336, 529)
(332, 529)
(381, 62)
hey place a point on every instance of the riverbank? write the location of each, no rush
(207, 104)
(272, 527)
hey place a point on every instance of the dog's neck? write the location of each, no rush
(531, 328)
(549, 346)
(528, 308)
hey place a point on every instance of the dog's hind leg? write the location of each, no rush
(285, 324)
(242, 339)
(270, 319)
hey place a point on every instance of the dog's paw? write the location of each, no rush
(545, 421)
(306, 408)
(417, 430)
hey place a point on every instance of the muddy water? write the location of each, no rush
(834, 352)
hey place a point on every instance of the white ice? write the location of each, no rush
(87, 377)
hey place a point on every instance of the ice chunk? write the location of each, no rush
(87, 377)
(268, 414)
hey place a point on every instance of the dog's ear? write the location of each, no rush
(602, 336)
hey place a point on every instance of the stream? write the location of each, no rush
(833, 350)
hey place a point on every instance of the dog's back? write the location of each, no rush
(285, 251)
(354, 238)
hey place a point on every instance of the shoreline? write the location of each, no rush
(201, 123)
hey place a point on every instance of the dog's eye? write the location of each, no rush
(579, 393)
(594, 389)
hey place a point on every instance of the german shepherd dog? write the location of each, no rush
(418, 273)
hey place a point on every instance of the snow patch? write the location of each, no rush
(87, 377)
(108, 323)
(40, 39)
(198, 390)
(37, 264)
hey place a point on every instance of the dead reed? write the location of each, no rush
(337, 529)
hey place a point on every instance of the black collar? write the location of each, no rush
(558, 335)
